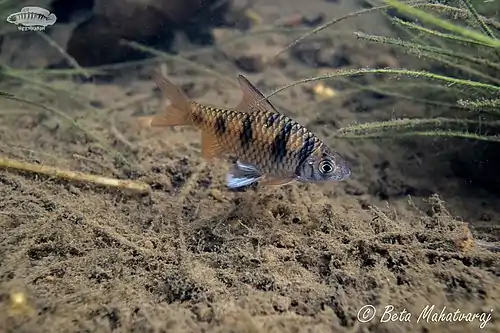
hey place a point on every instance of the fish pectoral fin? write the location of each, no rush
(242, 174)
(252, 98)
(210, 145)
(278, 181)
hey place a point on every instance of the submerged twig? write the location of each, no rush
(73, 175)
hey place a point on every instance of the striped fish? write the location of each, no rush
(32, 16)
(271, 148)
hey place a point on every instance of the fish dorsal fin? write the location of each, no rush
(37, 10)
(252, 98)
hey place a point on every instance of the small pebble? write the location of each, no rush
(251, 64)
(217, 195)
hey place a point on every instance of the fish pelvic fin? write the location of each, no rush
(242, 174)
(252, 99)
(177, 113)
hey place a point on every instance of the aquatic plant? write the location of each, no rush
(448, 34)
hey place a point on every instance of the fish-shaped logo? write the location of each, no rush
(271, 148)
(32, 18)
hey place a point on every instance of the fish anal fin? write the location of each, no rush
(278, 181)
(210, 145)
(253, 99)
(242, 174)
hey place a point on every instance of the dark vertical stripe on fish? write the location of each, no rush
(220, 125)
(246, 135)
(278, 147)
(196, 116)
(306, 149)
(271, 119)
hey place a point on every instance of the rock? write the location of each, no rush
(250, 64)
(97, 40)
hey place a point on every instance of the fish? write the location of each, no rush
(32, 16)
(270, 148)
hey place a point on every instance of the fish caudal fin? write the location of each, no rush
(179, 110)
(51, 19)
(242, 174)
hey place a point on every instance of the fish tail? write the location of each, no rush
(177, 113)
(51, 19)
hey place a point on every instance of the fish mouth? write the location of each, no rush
(343, 172)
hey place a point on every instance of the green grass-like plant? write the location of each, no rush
(453, 35)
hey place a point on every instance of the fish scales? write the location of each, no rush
(270, 147)
(273, 142)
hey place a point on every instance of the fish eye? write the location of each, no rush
(326, 167)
